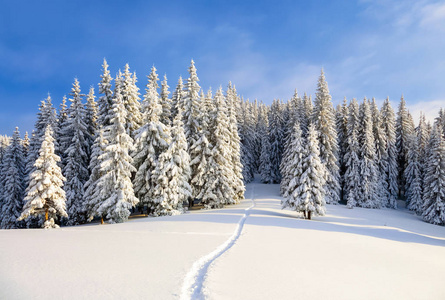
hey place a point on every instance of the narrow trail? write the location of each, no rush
(192, 287)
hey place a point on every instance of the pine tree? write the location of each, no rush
(388, 122)
(247, 136)
(434, 197)
(106, 100)
(92, 194)
(305, 113)
(77, 157)
(293, 169)
(130, 99)
(177, 98)
(310, 193)
(165, 103)
(342, 131)
(324, 120)
(381, 158)
(91, 118)
(173, 173)
(403, 131)
(13, 168)
(265, 162)
(412, 174)
(152, 139)
(237, 182)
(352, 157)
(368, 169)
(116, 190)
(192, 127)
(62, 119)
(44, 194)
(276, 137)
(220, 165)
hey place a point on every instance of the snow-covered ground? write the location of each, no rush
(253, 250)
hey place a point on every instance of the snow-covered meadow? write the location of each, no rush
(347, 254)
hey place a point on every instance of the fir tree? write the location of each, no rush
(165, 103)
(173, 173)
(388, 122)
(434, 197)
(292, 170)
(369, 196)
(310, 193)
(403, 131)
(412, 174)
(324, 120)
(276, 137)
(13, 168)
(62, 119)
(106, 100)
(237, 183)
(116, 190)
(77, 157)
(130, 99)
(91, 117)
(381, 152)
(152, 139)
(352, 160)
(177, 99)
(265, 162)
(44, 194)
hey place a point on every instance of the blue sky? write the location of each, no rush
(266, 48)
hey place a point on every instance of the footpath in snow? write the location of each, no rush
(253, 250)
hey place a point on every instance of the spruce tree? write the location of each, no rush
(165, 103)
(177, 99)
(116, 190)
(172, 174)
(152, 139)
(105, 101)
(381, 152)
(323, 118)
(265, 161)
(276, 138)
(352, 157)
(237, 183)
(62, 119)
(369, 196)
(388, 122)
(433, 210)
(91, 118)
(44, 194)
(310, 193)
(130, 99)
(403, 131)
(413, 177)
(293, 170)
(77, 157)
(13, 168)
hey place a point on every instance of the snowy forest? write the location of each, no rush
(103, 158)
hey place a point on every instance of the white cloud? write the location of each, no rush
(429, 108)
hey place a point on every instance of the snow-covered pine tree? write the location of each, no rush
(412, 174)
(369, 197)
(352, 188)
(173, 173)
(389, 131)
(403, 131)
(310, 193)
(276, 138)
(305, 113)
(433, 210)
(265, 167)
(220, 164)
(165, 103)
(323, 117)
(116, 165)
(177, 98)
(44, 194)
(13, 168)
(293, 170)
(237, 183)
(422, 139)
(77, 157)
(62, 119)
(206, 160)
(25, 145)
(91, 118)
(130, 99)
(92, 193)
(341, 117)
(105, 101)
(192, 127)
(152, 139)
(247, 136)
(256, 137)
(381, 158)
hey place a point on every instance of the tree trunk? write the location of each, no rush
(46, 214)
(309, 215)
(101, 220)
